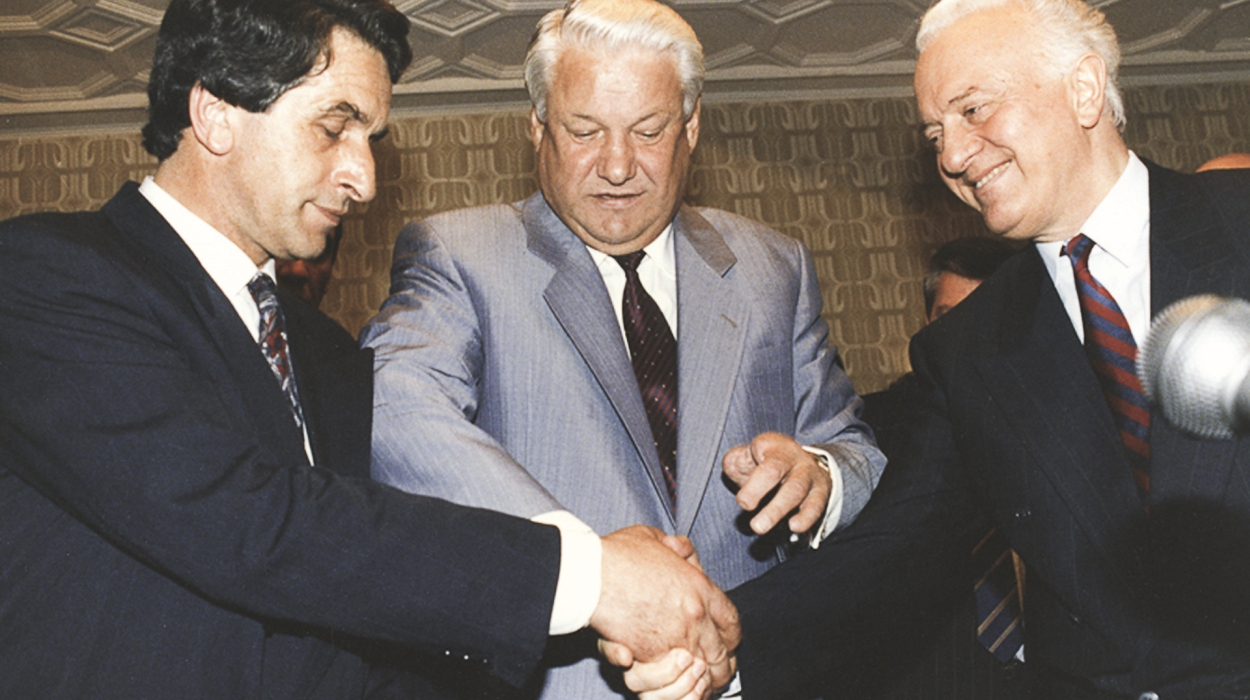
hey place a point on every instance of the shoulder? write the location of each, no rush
(60, 249)
(470, 231)
(740, 229)
(756, 248)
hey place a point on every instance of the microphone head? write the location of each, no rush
(1194, 361)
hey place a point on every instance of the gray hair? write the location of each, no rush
(611, 25)
(1068, 29)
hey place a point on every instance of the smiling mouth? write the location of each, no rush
(334, 215)
(990, 176)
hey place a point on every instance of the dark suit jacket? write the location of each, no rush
(1010, 425)
(161, 532)
(943, 659)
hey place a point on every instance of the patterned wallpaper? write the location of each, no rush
(851, 178)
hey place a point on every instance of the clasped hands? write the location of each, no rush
(659, 617)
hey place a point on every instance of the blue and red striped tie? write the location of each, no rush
(654, 353)
(1113, 354)
(997, 597)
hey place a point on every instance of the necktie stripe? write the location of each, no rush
(1113, 355)
(996, 596)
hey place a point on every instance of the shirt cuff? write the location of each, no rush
(733, 691)
(581, 572)
(833, 509)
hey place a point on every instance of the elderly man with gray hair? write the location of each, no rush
(604, 351)
(1028, 413)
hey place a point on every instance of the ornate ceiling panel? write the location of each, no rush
(84, 63)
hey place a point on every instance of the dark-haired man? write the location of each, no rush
(184, 503)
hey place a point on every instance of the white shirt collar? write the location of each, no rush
(225, 262)
(1120, 226)
(660, 251)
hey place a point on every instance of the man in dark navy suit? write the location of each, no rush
(185, 510)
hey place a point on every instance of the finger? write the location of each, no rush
(616, 654)
(766, 476)
(684, 549)
(717, 647)
(692, 684)
(738, 465)
(665, 675)
(788, 497)
(812, 512)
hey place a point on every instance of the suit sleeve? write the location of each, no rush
(117, 406)
(428, 359)
(827, 407)
(819, 623)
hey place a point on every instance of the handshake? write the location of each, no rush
(657, 607)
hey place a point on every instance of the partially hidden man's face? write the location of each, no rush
(614, 152)
(300, 164)
(1007, 132)
(951, 289)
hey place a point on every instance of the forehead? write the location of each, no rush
(355, 82)
(984, 51)
(588, 76)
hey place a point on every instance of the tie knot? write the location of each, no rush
(630, 261)
(262, 288)
(1078, 249)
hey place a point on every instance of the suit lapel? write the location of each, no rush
(712, 325)
(578, 299)
(1037, 363)
(1191, 253)
(174, 269)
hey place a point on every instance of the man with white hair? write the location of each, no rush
(1028, 412)
(602, 349)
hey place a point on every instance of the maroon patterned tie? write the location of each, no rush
(273, 340)
(654, 353)
(1113, 354)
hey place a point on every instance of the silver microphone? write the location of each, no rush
(1195, 365)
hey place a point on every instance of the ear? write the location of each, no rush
(211, 120)
(692, 124)
(1089, 86)
(537, 128)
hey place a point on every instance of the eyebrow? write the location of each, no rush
(353, 112)
(347, 108)
(963, 96)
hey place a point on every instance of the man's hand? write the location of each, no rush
(675, 676)
(775, 461)
(653, 601)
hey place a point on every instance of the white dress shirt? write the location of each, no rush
(1120, 260)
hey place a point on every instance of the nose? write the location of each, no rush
(616, 160)
(356, 172)
(959, 146)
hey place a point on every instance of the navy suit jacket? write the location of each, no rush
(1010, 425)
(162, 534)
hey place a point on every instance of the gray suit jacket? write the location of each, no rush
(503, 381)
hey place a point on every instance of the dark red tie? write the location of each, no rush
(654, 353)
(273, 340)
(1113, 354)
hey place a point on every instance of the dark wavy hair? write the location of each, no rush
(250, 52)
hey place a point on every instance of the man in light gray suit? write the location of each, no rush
(504, 376)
